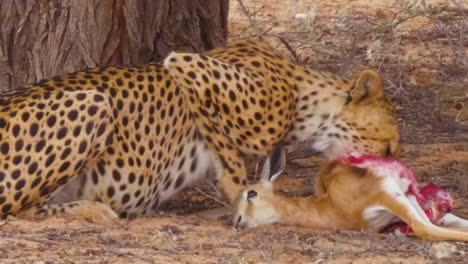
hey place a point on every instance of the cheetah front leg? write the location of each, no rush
(206, 95)
(231, 172)
(231, 177)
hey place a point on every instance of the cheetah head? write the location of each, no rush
(360, 120)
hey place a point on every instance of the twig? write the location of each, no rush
(349, 59)
(290, 49)
(40, 241)
(249, 17)
(211, 197)
(126, 254)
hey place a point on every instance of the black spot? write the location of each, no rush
(25, 117)
(77, 130)
(240, 121)
(98, 98)
(109, 139)
(36, 182)
(62, 133)
(95, 177)
(140, 202)
(5, 148)
(258, 116)
(73, 115)
(19, 144)
(141, 180)
(116, 175)
(20, 184)
(16, 130)
(33, 129)
(40, 145)
(83, 147)
(192, 75)
(51, 121)
(131, 178)
(125, 199)
(216, 74)
(89, 127)
(179, 181)
(193, 165)
(16, 160)
(232, 96)
(81, 96)
(6, 208)
(92, 110)
(110, 191)
(68, 103)
(39, 115)
(236, 180)
(15, 174)
(167, 184)
(49, 149)
(120, 163)
(255, 63)
(64, 167)
(32, 168)
(101, 130)
(225, 108)
(216, 88)
(49, 160)
(65, 153)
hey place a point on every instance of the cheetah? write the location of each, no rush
(119, 141)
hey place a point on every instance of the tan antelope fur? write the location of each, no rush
(348, 197)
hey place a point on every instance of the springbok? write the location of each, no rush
(363, 193)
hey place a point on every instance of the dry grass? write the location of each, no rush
(420, 49)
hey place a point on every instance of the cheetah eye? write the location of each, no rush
(251, 194)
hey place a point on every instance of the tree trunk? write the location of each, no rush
(43, 38)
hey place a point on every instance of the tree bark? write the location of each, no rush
(43, 38)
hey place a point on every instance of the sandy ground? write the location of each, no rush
(178, 236)
(430, 93)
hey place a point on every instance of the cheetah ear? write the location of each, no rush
(368, 85)
(274, 165)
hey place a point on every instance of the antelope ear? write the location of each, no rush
(274, 164)
(368, 85)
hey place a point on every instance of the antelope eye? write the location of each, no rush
(251, 194)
